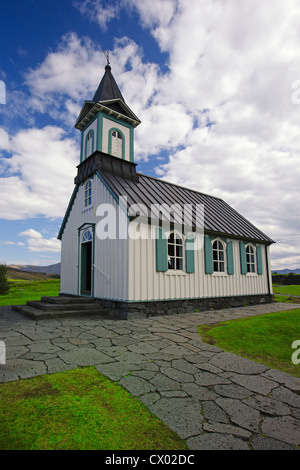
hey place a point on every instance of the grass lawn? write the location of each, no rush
(78, 410)
(264, 338)
(22, 290)
(289, 290)
(286, 299)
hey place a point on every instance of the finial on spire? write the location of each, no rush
(106, 55)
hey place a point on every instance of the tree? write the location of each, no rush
(4, 284)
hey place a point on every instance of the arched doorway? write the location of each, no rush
(86, 268)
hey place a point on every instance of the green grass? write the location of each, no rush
(286, 299)
(78, 410)
(266, 339)
(289, 290)
(21, 291)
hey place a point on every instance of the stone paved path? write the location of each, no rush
(211, 398)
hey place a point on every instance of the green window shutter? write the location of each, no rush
(243, 258)
(208, 254)
(190, 255)
(161, 251)
(230, 260)
(259, 261)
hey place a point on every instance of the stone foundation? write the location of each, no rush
(135, 310)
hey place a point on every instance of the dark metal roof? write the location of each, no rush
(219, 217)
(107, 98)
(108, 88)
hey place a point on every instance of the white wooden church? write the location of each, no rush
(134, 276)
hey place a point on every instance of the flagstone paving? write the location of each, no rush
(211, 398)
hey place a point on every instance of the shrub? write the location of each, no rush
(4, 284)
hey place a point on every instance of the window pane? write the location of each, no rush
(171, 263)
(222, 267)
(171, 250)
(171, 238)
(179, 251)
(178, 240)
(179, 264)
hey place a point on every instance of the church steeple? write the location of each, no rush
(106, 122)
(108, 88)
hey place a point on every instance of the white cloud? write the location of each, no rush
(4, 140)
(66, 78)
(238, 61)
(36, 242)
(39, 176)
(96, 12)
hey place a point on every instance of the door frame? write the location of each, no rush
(81, 232)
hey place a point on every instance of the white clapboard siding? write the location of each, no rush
(145, 283)
(110, 256)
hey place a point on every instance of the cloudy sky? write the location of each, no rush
(216, 84)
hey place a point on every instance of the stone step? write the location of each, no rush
(67, 300)
(39, 314)
(51, 307)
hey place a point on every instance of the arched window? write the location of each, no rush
(116, 144)
(87, 236)
(89, 143)
(250, 257)
(88, 194)
(175, 252)
(218, 256)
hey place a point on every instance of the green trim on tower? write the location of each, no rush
(113, 129)
(99, 131)
(91, 131)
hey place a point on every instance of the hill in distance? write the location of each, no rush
(51, 269)
(32, 273)
(286, 271)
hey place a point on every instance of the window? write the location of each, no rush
(89, 144)
(250, 257)
(218, 257)
(175, 252)
(88, 194)
(117, 144)
(87, 236)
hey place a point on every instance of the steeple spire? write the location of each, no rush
(108, 88)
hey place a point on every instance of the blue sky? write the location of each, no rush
(214, 83)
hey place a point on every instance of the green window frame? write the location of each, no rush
(88, 194)
(175, 252)
(218, 256)
(89, 143)
(251, 258)
(115, 133)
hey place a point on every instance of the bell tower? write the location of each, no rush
(106, 122)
